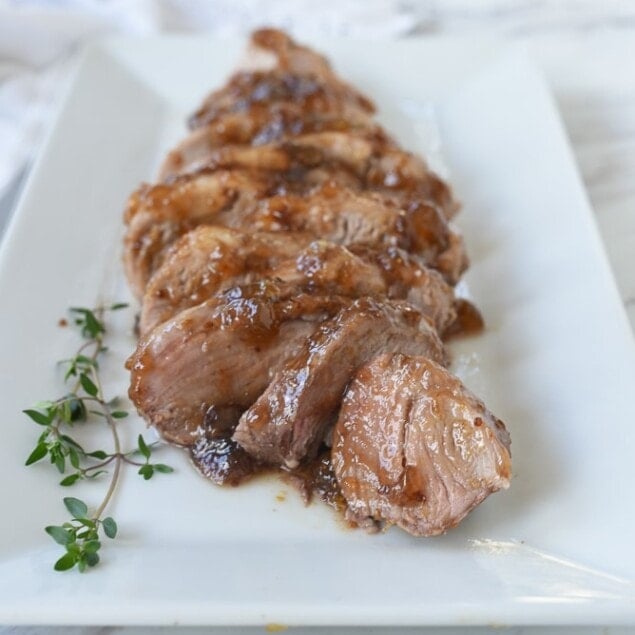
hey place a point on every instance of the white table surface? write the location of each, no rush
(587, 52)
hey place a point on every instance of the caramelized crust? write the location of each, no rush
(324, 203)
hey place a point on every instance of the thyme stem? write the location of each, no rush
(81, 535)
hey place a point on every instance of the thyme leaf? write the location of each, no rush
(80, 536)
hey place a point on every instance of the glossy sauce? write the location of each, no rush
(469, 320)
(223, 461)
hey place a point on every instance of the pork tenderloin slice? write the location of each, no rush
(266, 201)
(290, 419)
(413, 447)
(210, 259)
(258, 128)
(374, 159)
(210, 362)
(353, 147)
(277, 69)
(350, 150)
(156, 216)
(348, 217)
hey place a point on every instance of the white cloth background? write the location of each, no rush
(38, 39)
(570, 38)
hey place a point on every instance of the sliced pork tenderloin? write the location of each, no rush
(209, 363)
(291, 418)
(415, 448)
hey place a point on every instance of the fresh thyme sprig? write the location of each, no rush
(86, 402)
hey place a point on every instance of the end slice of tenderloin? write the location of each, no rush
(291, 418)
(276, 69)
(413, 447)
(271, 49)
(209, 363)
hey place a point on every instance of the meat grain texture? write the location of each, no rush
(296, 273)
(412, 446)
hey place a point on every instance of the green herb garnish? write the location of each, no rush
(85, 403)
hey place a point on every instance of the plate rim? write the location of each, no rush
(627, 611)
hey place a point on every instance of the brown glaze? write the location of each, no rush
(210, 259)
(287, 423)
(220, 353)
(224, 462)
(469, 320)
(315, 479)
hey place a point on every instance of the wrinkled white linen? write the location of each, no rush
(39, 39)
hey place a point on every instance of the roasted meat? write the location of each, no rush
(278, 70)
(220, 354)
(413, 447)
(210, 259)
(296, 269)
(157, 216)
(290, 419)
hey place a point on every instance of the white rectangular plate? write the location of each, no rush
(557, 363)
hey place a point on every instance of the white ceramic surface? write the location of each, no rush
(557, 363)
